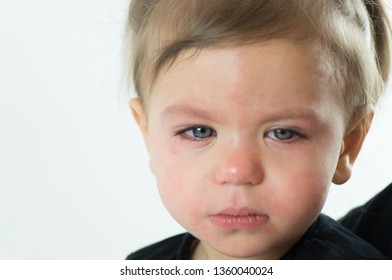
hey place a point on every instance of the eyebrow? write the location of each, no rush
(304, 113)
(194, 112)
(187, 110)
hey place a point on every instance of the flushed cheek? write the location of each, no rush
(179, 186)
(302, 197)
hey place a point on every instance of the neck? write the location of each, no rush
(203, 251)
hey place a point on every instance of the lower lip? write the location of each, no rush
(238, 222)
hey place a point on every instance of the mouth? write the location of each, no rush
(243, 218)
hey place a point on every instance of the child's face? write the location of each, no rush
(244, 143)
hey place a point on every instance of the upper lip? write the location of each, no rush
(243, 211)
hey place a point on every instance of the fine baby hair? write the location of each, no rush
(249, 110)
(354, 36)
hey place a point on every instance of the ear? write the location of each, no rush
(139, 115)
(352, 144)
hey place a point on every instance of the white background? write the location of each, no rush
(74, 178)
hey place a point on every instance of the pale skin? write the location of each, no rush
(244, 143)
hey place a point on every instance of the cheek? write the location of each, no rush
(304, 183)
(301, 200)
(174, 177)
(168, 173)
(170, 182)
(312, 189)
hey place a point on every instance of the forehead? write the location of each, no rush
(269, 74)
(270, 55)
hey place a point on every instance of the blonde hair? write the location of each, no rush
(354, 34)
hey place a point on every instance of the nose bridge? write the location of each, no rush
(239, 164)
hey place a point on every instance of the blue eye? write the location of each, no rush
(196, 133)
(201, 132)
(283, 134)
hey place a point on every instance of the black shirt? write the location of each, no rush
(373, 221)
(325, 239)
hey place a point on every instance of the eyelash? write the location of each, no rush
(296, 136)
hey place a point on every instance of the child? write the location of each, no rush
(249, 110)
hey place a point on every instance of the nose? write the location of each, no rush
(239, 166)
